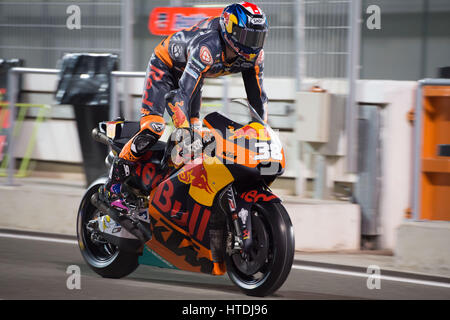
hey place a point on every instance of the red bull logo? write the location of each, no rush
(253, 130)
(195, 175)
(178, 116)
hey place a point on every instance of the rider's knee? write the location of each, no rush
(154, 123)
(152, 127)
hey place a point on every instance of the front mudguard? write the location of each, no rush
(244, 202)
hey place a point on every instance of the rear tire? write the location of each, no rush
(276, 240)
(106, 260)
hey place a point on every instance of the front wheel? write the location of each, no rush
(265, 268)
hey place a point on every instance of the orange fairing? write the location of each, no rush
(178, 247)
(230, 151)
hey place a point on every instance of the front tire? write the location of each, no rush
(104, 259)
(267, 267)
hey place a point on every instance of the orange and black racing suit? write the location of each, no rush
(175, 77)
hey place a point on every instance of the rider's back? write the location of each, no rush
(175, 50)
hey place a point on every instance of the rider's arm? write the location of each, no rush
(199, 61)
(253, 81)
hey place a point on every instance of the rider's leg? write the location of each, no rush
(152, 127)
(158, 82)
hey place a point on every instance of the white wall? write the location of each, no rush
(396, 158)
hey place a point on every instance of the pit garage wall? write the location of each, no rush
(395, 98)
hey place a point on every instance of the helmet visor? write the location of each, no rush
(249, 38)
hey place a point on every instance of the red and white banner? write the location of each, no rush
(167, 20)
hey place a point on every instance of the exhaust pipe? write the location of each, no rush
(136, 228)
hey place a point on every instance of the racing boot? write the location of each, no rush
(112, 192)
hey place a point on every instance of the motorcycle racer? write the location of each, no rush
(214, 47)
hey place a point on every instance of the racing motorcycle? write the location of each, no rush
(213, 214)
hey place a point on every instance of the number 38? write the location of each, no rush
(267, 151)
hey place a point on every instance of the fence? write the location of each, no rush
(308, 39)
(328, 49)
(37, 31)
(280, 45)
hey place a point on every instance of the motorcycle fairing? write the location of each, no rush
(258, 194)
(148, 171)
(181, 205)
(151, 258)
(206, 176)
(240, 144)
(180, 208)
(171, 238)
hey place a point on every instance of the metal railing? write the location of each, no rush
(114, 101)
(43, 109)
(13, 87)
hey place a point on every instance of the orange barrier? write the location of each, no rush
(435, 163)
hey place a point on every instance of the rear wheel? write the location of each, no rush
(102, 257)
(265, 268)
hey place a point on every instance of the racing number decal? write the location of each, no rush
(267, 151)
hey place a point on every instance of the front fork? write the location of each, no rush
(241, 223)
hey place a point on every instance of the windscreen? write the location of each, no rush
(241, 112)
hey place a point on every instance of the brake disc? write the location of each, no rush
(252, 261)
